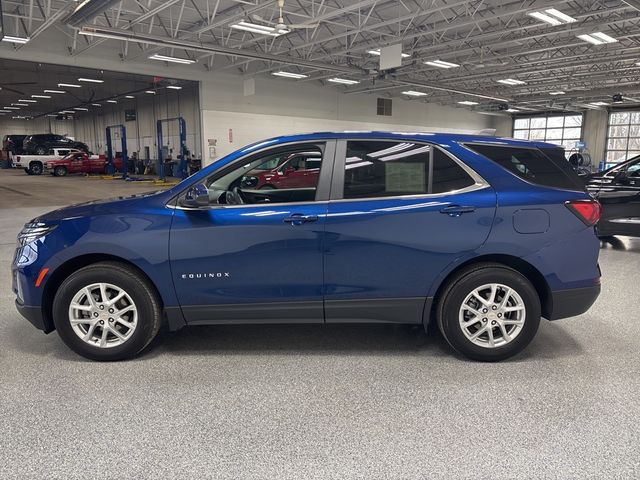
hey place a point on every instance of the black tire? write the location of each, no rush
(40, 151)
(35, 168)
(452, 298)
(60, 171)
(135, 285)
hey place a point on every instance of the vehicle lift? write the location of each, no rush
(182, 156)
(125, 159)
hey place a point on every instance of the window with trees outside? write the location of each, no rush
(623, 136)
(563, 130)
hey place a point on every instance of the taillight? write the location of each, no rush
(588, 211)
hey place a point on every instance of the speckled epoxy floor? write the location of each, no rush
(319, 402)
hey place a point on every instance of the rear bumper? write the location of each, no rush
(34, 315)
(572, 302)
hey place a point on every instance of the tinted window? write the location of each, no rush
(381, 169)
(447, 174)
(533, 165)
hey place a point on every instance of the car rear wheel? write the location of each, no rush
(106, 311)
(60, 171)
(489, 312)
(35, 168)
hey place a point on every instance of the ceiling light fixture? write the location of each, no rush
(129, 96)
(467, 102)
(559, 92)
(597, 38)
(20, 104)
(289, 75)
(28, 101)
(150, 92)
(40, 96)
(512, 110)
(90, 80)
(441, 64)
(66, 111)
(12, 108)
(52, 115)
(54, 91)
(174, 87)
(344, 81)
(599, 104)
(377, 52)
(112, 101)
(81, 109)
(70, 85)
(511, 82)
(96, 105)
(261, 29)
(414, 93)
(165, 58)
(552, 16)
(12, 39)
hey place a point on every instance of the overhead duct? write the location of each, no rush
(87, 11)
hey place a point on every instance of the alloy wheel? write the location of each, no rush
(103, 315)
(492, 315)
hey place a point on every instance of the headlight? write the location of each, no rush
(33, 231)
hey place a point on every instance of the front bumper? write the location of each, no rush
(34, 315)
(572, 302)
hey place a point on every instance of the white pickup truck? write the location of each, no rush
(34, 164)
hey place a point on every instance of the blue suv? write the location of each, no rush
(480, 235)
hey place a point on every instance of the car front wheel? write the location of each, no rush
(489, 312)
(106, 311)
(60, 171)
(35, 168)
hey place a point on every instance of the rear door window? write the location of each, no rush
(546, 167)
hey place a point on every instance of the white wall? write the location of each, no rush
(284, 106)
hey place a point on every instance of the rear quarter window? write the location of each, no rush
(547, 167)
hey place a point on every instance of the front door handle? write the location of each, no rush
(457, 210)
(299, 219)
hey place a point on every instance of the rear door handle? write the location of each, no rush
(299, 219)
(457, 210)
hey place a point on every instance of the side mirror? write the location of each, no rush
(196, 196)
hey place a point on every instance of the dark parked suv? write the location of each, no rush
(13, 143)
(40, 144)
(479, 235)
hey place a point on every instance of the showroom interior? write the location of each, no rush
(148, 94)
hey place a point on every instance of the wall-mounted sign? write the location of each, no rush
(231, 135)
(130, 115)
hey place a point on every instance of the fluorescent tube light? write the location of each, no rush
(70, 85)
(344, 81)
(261, 29)
(511, 81)
(413, 93)
(512, 110)
(40, 96)
(5, 111)
(54, 91)
(467, 102)
(562, 16)
(604, 37)
(9, 38)
(150, 92)
(20, 104)
(289, 75)
(599, 104)
(559, 92)
(90, 80)
(27, 101)
(81, 109)
(12, 108)
(165, 58)
(441, 64)
(597, 38)
(66, 111)
(96, 104)
(129, 96)
(112, 101)
(545, 18)
(174, 87)
(377, 52)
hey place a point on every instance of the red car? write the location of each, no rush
(80, 162)
(296, 170)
